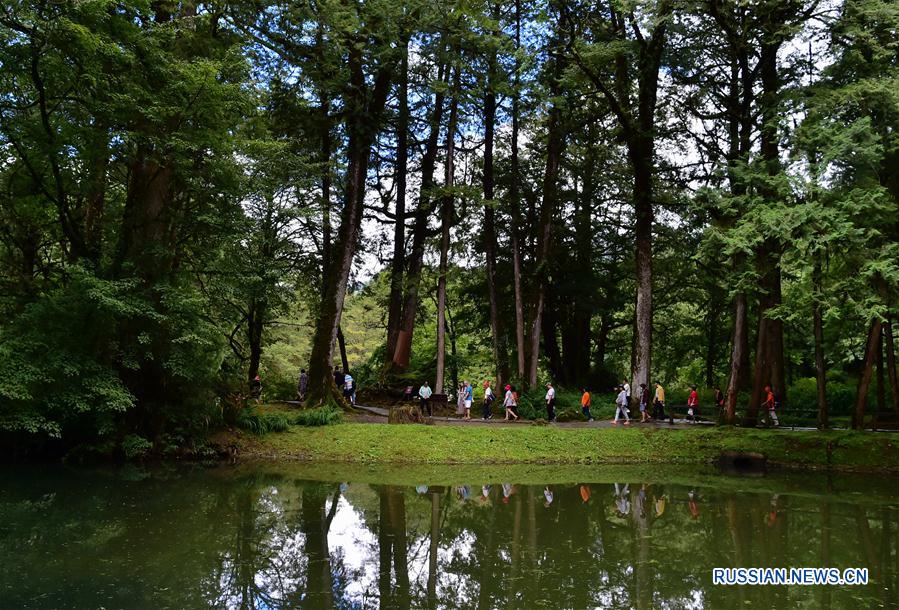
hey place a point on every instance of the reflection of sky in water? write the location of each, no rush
(349, 535)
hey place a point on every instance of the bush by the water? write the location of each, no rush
(135, 446)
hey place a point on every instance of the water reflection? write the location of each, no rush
(273, 541)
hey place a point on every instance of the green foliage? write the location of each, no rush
(263, 423)
(320, 416)
(135, 447)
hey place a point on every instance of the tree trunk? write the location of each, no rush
(397, 264)
(555, 145)
(515, 204)
(769, 362)
(363, 115)
(498, 341)
(891, 362)
(738, 356)
(426, 204)
(642, 166)
(864, 382)
(255, 320)
(881, 385)
(96, 197)
(341, 345)
(446, 222)
(820, 370)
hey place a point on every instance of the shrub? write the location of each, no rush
(321, 416)
(134, 446)
(263, 423)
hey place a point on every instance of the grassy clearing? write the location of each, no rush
(416, 444)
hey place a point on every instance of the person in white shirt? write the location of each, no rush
(488, 400)
(627, 390)
(621, 409)
(424, 393)
(550, 402)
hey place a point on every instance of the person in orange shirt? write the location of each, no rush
(585, 404)
(771, 405)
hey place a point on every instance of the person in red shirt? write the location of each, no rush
(771, 405)
(693, 405)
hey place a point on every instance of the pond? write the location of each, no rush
(306, 536)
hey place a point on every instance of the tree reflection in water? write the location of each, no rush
(510, 547)
(277, 542)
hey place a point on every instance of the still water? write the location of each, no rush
(301, 536)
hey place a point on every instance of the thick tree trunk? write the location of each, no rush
(145, 221)
(820, 367)
(362, 121)
(769, 362)
(864, 382)
(641, 163)
(446, 223)
(515, 204)
(397, 264)
(739, 349)
(551, 345)
(498, 340)
(555, 145)
(426, 205)
(891, 362)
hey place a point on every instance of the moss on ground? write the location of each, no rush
(418, 444)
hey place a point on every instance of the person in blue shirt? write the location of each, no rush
(468, 393)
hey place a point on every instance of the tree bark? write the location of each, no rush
(738, 356)
(891, 362)
(864, 382)
(820, 366)
(555, 144)
(397, 264)
(446, 222)
(426, 204)
(769, 363)
(255, 321)
(363, 116)
(498, 341)
(515, 204)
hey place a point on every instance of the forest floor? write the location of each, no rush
(366, 439)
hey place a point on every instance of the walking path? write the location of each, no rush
(477, 421)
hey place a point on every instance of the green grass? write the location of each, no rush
(418, 444)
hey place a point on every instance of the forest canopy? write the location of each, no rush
(690, 192)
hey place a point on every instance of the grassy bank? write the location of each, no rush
(414, 444)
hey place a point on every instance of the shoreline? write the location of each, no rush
(411, 444)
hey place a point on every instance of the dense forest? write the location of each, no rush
(193, 194)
